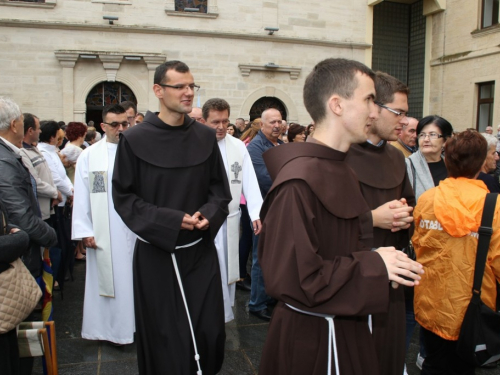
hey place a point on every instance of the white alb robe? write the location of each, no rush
(251, 192)
(104, 318)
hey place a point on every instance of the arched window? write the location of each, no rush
(103, 94)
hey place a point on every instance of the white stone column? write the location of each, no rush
(67, 61)
(152, 62)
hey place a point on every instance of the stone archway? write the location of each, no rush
(270, 92)
(264, 103)
(103, 94)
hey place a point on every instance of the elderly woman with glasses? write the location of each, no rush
(426, 167)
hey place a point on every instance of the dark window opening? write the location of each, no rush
(489, 16)
(485, 100)
(181, 5)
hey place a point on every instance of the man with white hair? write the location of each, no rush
(17, 187)
(489, 130)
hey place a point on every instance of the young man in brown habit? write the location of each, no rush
(325, 281)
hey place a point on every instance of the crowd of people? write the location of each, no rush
(167, 208)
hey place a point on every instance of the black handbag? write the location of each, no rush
(479, 339)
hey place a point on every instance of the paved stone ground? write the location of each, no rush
(245, 339)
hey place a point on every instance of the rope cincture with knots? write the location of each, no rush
(332, 341)
(196, 355)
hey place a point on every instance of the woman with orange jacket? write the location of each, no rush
(447, 219)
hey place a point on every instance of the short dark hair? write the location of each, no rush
(128, 104)
(75, 130)
(112, 108)
(29, 122)
(328, 77)
(441, 123)
(215, 104)
(161, 70)
(294, 130)
(49, 130)
(386, 86)
(464, 154)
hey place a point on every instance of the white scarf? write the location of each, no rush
(98, 179)
(234, 174)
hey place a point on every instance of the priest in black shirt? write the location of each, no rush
(171, 189)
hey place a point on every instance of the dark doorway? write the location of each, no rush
(264, 103)
(103, 94)
(399, 47)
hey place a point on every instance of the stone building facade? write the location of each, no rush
(55, 53)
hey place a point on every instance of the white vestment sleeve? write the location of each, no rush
(62, 183)
(251, 190)
(82, 215)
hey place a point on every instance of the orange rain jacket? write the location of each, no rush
(447, 219)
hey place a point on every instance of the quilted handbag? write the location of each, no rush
(19, 293)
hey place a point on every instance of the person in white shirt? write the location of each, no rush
(49, 139)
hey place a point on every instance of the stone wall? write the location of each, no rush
(462, 56)
(214, 48)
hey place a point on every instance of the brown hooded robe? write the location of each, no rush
(382, 177)
(312, 259)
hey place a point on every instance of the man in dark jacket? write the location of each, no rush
(266, 138)
(17, 189)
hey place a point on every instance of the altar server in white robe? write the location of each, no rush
(108, 311)
(242, 179)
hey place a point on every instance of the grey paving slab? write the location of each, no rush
(245, 337)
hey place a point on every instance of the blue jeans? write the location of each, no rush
(258, 297)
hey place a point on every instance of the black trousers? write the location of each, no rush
(9, 353)
(442, 357)
(245, 239)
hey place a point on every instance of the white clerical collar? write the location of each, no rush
(223, 140)
(13, 148)
(112, 145)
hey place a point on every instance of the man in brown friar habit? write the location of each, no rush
(326, 282)
(384, 182)
(170, 188)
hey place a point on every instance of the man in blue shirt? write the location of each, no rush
(266, 138)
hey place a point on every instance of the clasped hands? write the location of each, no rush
(394, 215)
(197, 221)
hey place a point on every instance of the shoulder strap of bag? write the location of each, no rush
(485, 231)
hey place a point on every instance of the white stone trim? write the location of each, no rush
(183, 32)
(245, 70)
(486, 31)
(269, 91)
(119, 2)
(46, 4)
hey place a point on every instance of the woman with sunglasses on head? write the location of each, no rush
(426, 166)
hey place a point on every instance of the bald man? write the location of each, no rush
(407, 139)
(197, 115)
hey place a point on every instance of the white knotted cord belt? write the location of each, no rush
(177, 273)
(332, 341)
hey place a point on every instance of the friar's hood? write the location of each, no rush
(325, 172)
